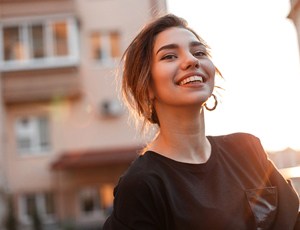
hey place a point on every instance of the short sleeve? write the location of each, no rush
(134, 205)
(288, 202)
(249, 152)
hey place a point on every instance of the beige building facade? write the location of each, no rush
(65, 135)
(288, 161)
(294, 15)
(2, 160)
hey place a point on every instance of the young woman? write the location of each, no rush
(185, 179)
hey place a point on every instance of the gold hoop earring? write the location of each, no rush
(215, 105)
(149, 112)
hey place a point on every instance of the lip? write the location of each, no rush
(190, 75)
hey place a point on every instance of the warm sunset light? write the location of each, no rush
(254, 45)
(292, 172)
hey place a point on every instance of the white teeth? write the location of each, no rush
(191, 79)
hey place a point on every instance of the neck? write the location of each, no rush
(182, 138)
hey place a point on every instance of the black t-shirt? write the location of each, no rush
(237, 188)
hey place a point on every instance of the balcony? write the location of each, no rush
(41, 85)
(32, 8)
(39, 58)
(37, 43)
(1, 1)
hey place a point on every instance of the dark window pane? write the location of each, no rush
(37, 35)
(49, 203)
(13, 47)
(30, 204)
(43, 132)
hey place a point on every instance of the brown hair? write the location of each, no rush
(137, 66)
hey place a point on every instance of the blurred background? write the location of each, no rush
(66, 137)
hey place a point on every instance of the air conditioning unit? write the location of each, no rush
(111, 108)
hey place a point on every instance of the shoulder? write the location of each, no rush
(240, 144)
(237, 140)
(137, 195)
(236, 137)
(142, 174)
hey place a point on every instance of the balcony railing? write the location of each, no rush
(38, 43)
(40, 85)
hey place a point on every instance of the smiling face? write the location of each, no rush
(182, 72)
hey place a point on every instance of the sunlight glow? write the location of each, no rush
(292, 172)
(255, 47)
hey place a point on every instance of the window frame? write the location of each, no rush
(96, 198)
(36, 147)
(104, 42)
(49, 60)
(40, 204)
(103, 194)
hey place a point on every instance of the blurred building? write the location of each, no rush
(288, 163)
(2, 161)
(65, 135)
(294, 15)
(288, 160)
(285, 158)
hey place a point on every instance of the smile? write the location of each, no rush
(191, 79)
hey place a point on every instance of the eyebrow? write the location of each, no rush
(175, 46)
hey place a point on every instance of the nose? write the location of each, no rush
(190, 61)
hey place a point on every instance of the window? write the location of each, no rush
(96, 201)
(49, 204)
(105, 46)
(13, 45)
(38, 44)
(41, 203)
(30, 205)
(60, 38)
(38, 41)
(107, 197)
(32, 135)
(89, 201)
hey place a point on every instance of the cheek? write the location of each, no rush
(160, 74)
(210, 68)
(155, 78)
(154, 70)
(161, 81)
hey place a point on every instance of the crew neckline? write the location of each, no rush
(195, 167)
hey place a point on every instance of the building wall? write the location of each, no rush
(2, 162)
(294, 15)
(18, 9)
(75, 95)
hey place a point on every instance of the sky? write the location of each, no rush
(255, 46)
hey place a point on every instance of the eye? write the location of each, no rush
(169, 57)
(200, 53)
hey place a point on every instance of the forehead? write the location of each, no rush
(174, 35)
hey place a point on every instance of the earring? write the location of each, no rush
(149, 112)
(215, 105)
